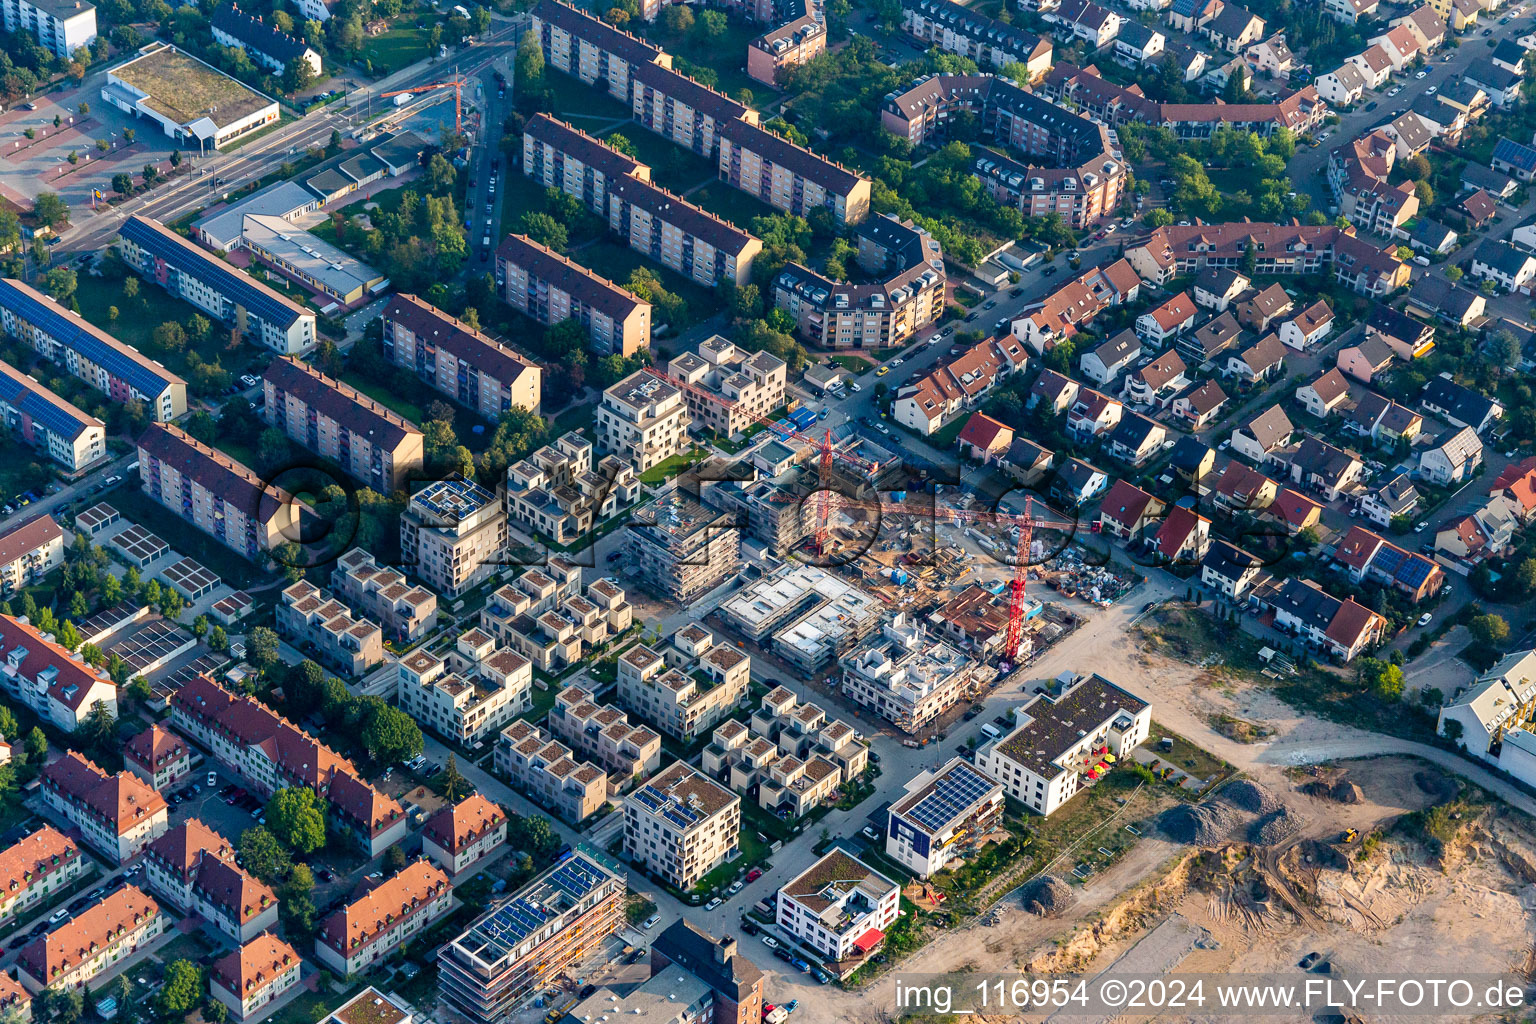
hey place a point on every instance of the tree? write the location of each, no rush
(65, 1005)
(129, 134)
(8, 727)
(333, 147)
(261, 646)
(1382, 678)
(131, 288)
(678, 21)
(709, 27)
(620, 141)
(150, 174)
(182, 989)
(1157, 217)
(1454, 274)
(545, 230)
(60, 282)
(1490, 630)
(298, 75)
(391, 736)
(394, 857)
(139, 689)
(528, 71)
(36, 745)
(440, 174)
(532, 834)
(263, 856)
(218, 640)
(455, 786)
(1524, 577)
(1503, 349)
(272, 447)
(1425, 193)
(297, 818)
(50, 209)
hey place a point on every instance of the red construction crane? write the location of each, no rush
(1026, 523)
(456, 83)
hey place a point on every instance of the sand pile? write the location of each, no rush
(1047, 896)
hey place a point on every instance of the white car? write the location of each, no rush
(1420, 527)
(1424, 619)
(770, 942)
(651, 922)
(1422, 74)
(854, 385)
(712, 904)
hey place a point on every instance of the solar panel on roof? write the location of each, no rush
(953, 792)
(73, 334)
(51, 417)
(225, 280)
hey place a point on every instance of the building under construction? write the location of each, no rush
(681, 548)
(813, 616)
(910, 676)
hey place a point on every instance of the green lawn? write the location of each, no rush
(617, 262)
(387, 396)
(853, 364)
(672, 166)
(576, 417)
(668, 468)
(397, 48)
(726, 57)
(731, 204)
(573, 97)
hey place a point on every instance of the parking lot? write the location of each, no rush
(206, 804)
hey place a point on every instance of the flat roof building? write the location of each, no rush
(943, 813)
(191, 101)
(681, 825)
(551, 925)
(644, 420)
(311, 261)
(453, 534)
(814, 617)
(60, 26)
(681, 547)
(840, 907)
(908, 676)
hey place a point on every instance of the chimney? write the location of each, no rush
(724, 950)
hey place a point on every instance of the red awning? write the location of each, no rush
(869, 940)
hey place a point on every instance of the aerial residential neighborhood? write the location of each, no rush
(540, 510)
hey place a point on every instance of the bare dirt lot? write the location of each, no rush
(1415, 889)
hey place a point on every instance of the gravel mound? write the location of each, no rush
(1440, 787)
(1249, 796)
(1201, 824)
(1341, 792)
(1047, 896)
(1273, 828)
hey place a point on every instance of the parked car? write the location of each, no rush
(651, 922)
(712, 904)
(1425, 619)
(770, 942)
(754, 874)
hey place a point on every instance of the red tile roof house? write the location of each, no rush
(117, 814)
(1518, 484)
(48, 679)
(393, 913)
(927, 402)
(159, 757)
(1309, 327)
(254, 975)
(1184, 537)
(1093, 414)
(984, 438)
(1200, 404)
(1173, 317)
(459, 836)
(1156, 383)
(97, 939)
(192, 868)
(1294, 511)
(1325, 394)
(269, 753)
(34, 869)
(1127, 511)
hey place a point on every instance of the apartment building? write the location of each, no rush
(549, 773)
(95, 940)
(60, 26)
(681, 825)
(458, 836)
(644, 420)
(790, 758)
(957, 29)
(266, 44)
(746, 386)
(35, 868)
(904, 293)
(789, 177)
(1059, 737)
(88, 353)
(216, 494)
(318, 624)
(943, 813)
(559, 156)
(582, 46)
(453, 534)
(550, 288)
(693, 683)
(117, 814)
(605, 736)
(814, 617)
(681, 548)
(786, 46)
(548, 927)
(192, 868)
(680, 236)
(48, 679)
(269, 753)
(736, 982)
(682, 109)
(1082, 174)
(254, 311)
(558, 493)
(1280, 250)
(468, 693)
(949, 388)
(159, 757)
(255, 975)
(458, 360)
(59, 429)
(840, 907)
(372, 442)
(537, 590)
(371, 928)
(29, 552)
(404, 612)
(908, 676)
